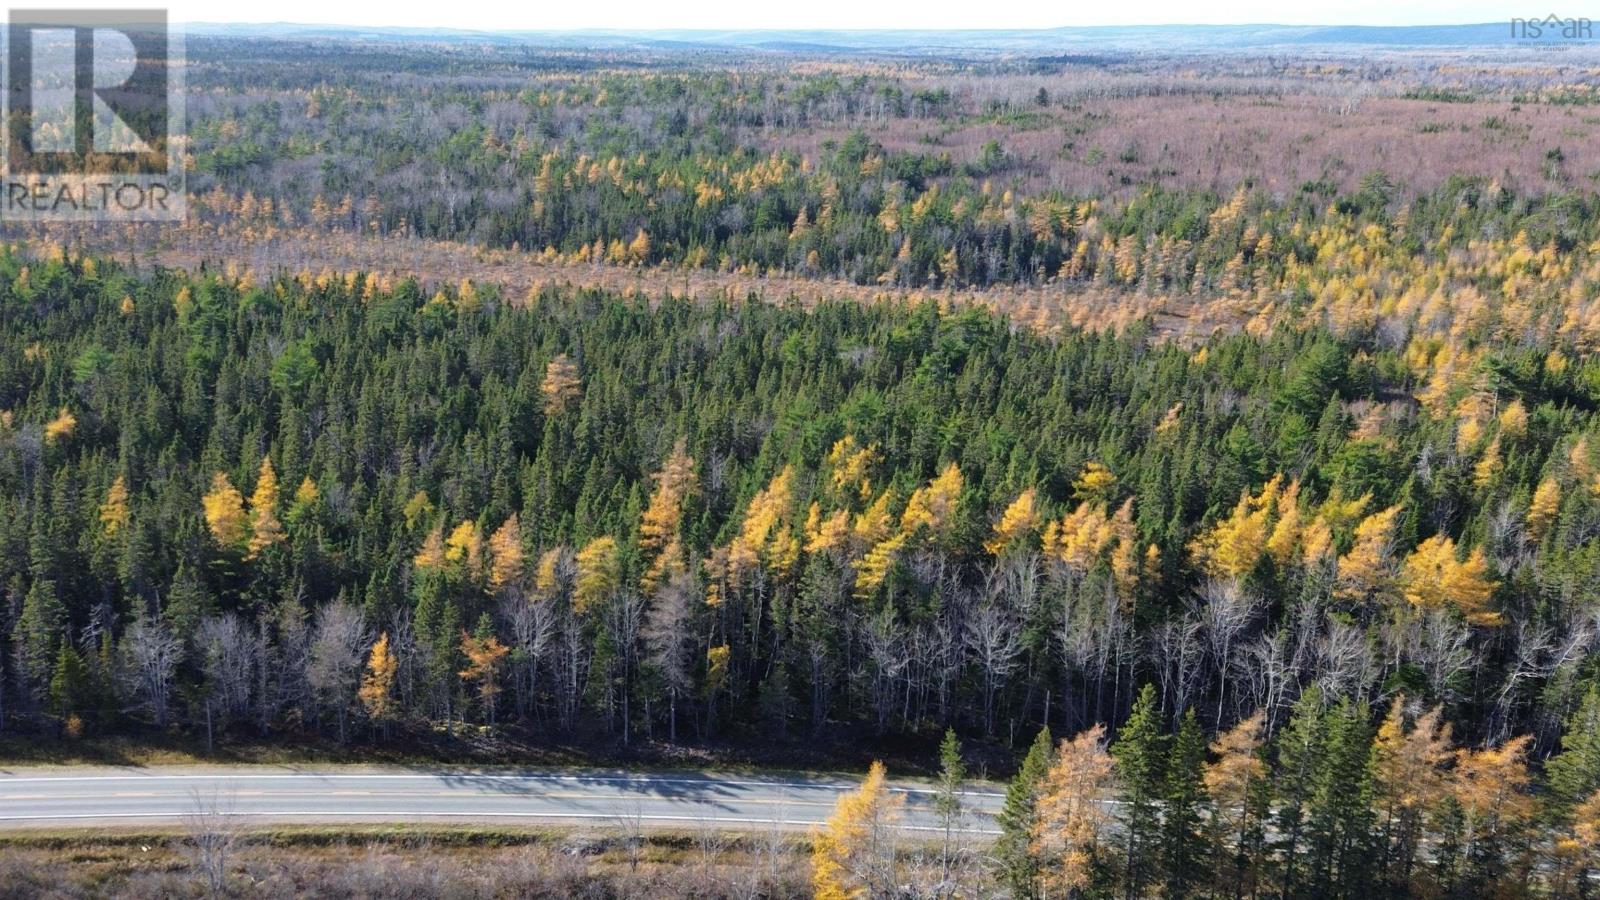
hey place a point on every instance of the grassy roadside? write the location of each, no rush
(418, 861)
(474, 747)
(590, 839)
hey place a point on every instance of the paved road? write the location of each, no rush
(124, 796)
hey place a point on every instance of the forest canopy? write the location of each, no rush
(890, 516)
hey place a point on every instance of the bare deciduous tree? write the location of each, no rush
(628, 818)
(533, 622)
(149, 657)
(994, 639)
(229, 657)
(334, 666)
(213, 829)
(668, 636)
(886, 649)
(624, 619)
(1346, 667)
(1176, 656)
(1226, 611)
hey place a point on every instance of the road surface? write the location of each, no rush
(72, 797)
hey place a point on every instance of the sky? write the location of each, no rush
(747, 14)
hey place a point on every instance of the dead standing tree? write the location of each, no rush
(213, 829)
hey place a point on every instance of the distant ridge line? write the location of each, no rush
(1177, 37)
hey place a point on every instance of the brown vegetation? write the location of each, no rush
(409, 862)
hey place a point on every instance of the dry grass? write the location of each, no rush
(410, 862)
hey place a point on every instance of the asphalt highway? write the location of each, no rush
(72, 797)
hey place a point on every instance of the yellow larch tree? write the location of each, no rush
(1125, 569)
(1492, 786)
(783, 552)
(464, 548)
(1488, 466)
(1232, 547)
(1230, 782)
(1316, 542)
(1339, 513)
(1579, 459)
(224, 511)
(659, 532)
(1081, 537)
(762, 521)
(1577, 852)
(1171, 420)
(1514, 419)
(377, 682)
(305, 497)
(852, 855)
(874, 522)
(1072, 811)
(1285, 541)
(599, 573)
(561, 386)
(484, 654)
(639, 248)
(1095, 483)
(265, 529)
(1367, 569)
(1543, 507)
(874, 567)
(417, 510)
(114, 511)
(1433, 577)
(505, 554)
(849, 465)
(60, 427)
(554, 572)
(430, 556)
(467, 296)
(717, 660)
(1019, 520)
(825, 534)
(931, 506)
(1409, 771)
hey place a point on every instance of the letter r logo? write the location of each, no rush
(88, 91)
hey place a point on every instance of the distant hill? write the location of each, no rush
(1051, 40)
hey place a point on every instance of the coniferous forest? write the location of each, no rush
(1251, 531)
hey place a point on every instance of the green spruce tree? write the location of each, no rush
(1300, 755)
(1140, 754)
(1013, 849)
(1183, 844)
(1574, 772)
(947, 800)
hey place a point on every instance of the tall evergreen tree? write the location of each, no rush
(1340, 822)
(1183, 845)
(1300, 756)
(1574, 772)
(947, 802)
(1013, 849)
(69, 683)
(35, 639)
(1140, 753)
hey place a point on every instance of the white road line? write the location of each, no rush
(605, 779)
(437, 815)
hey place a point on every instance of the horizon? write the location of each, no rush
(840, 15)
(610, 29)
